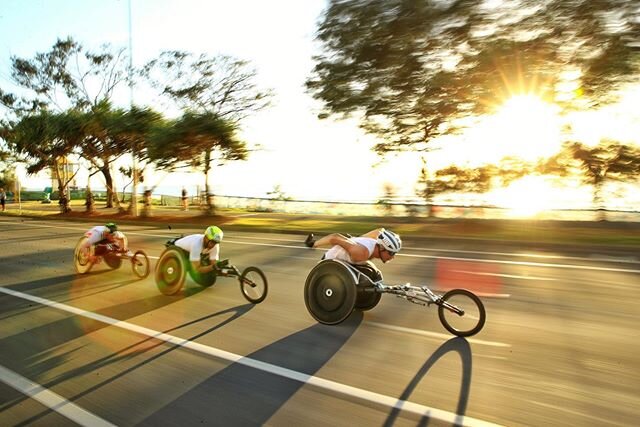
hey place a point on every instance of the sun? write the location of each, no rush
(526, 126)
(523, 126)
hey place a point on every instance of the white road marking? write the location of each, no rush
(490, 261)
(530, 264)
(432, 334)
(51, 400)
(333, 386)
(507, 276)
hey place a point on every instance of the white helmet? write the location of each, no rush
(390, 241)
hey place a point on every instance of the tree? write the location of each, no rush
(388, 196)
(45, 140)
(609, 161)
(70, 77)
(196, 140)
(210, 90)
(481, 179)
(7, 170)
(115, 132)
(278, 193)
(412, 70)
(219, 85)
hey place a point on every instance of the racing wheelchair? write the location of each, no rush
(112, 254)
(334, 288)
(173, 266)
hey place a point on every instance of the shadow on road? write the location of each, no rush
(240, 395)
(127, 353)
(458, 345)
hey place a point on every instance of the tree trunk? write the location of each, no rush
(598, 202)
(63, 200)
(207, 168)
(89, 201)
(112, 195)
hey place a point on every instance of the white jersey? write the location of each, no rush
(338, 252)
(97, 234)
(194, 245)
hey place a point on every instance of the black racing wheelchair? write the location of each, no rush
(334, 289)
(173, 266)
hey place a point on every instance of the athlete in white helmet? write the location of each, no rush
(379, 243)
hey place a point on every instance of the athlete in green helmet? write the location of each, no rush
(204, 249)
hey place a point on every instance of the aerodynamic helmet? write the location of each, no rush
(214, 233)
(390, 241)
(112, 227)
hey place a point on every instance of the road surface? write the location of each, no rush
(559, 347)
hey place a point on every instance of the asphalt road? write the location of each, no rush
(559, 347)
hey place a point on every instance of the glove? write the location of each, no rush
(222, 263)
(204, 259)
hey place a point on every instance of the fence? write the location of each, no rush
(413, 210)
(314, 207)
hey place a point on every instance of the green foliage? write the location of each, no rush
(44, 137)
(67, 76)
(278, 193)
(188, 139)
(218, 85)
(608, 161)
(410, 70)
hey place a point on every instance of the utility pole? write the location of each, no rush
(134, 188)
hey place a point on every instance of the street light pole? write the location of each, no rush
(134, 188)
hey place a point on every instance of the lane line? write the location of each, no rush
(480, 260)
(51, 400)
(333, 386)
(433, 334)
(507, 276)
(525, 263)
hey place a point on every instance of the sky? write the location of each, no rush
(306, 157)
(310, 159)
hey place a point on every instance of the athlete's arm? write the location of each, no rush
(357, 253)
(373, 234)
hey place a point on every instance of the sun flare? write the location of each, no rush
(526, 197)
(528, 127)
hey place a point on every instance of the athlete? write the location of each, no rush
(104, 238)
(379, 243)
(204, 250)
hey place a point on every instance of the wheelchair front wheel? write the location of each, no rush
(461, 312)
(253, 285)
(140, 264)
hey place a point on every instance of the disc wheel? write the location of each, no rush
(81, 260)
(112, 260)
(170, 272)
(366, 300)
(140, 264)
(330, 293)
(461, 312)
(204, 279)
(253, 285)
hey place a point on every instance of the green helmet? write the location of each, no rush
(214, 233)
(112, 227)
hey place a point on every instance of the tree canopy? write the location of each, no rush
(410, 70)
(67, 76)
(219, 85)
